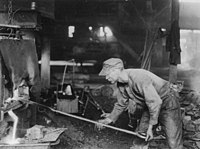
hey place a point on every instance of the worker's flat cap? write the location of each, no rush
(109, 64)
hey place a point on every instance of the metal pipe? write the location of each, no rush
(91, 121)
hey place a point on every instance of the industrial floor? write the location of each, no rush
(84, 135)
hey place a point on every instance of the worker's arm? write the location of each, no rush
(153, 102)
(120, 106)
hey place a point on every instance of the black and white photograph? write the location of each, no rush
(100, 74)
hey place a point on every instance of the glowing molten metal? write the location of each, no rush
(12, 139)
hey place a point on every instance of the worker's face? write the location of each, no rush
(113, 75)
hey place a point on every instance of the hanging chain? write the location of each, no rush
(10, 11)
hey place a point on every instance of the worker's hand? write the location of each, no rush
(149, 135)
(8, 100)
(105, 121)
(105, 115)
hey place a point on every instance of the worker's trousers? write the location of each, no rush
(169, 118)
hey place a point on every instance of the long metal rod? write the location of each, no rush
(63, 79)
(91, 121)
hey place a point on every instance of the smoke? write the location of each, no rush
(190, 58)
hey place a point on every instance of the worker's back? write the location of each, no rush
(140, 77)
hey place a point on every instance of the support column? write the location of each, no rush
(173, 71)
(45, 64)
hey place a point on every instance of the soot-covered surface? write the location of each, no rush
(84, 135)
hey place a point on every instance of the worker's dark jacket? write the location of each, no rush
(145, 88)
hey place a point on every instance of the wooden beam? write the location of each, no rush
(174, 16)
(173, 73)
(45, 64)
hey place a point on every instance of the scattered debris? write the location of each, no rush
(40, 134)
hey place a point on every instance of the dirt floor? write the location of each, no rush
(84, 135)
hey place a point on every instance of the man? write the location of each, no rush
(153, 95)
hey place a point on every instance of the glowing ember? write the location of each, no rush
(8, 140)
(13, 139)
(11, 142)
